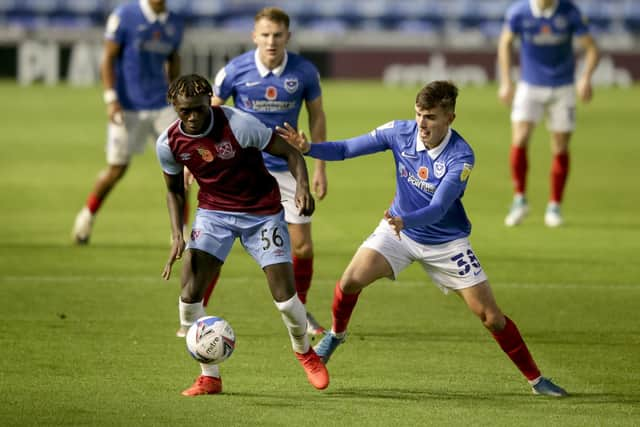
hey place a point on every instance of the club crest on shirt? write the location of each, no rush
(402, 170)
(439, 169)
(423, 173)
(271, 93)
(466, 171)
(291, 85)
(225, 150)
(206, 155)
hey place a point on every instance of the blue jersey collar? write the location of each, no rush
(264, 71)
(538, 13)
(434, 152)
(150, 15)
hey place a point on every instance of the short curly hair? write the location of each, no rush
(190, 85)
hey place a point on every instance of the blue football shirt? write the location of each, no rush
(429, 183)
(273, 96)
(146, 40)
(546, 41)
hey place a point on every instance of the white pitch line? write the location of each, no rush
(404, 283)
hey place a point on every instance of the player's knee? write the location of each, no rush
(493, 320)
(302, 250)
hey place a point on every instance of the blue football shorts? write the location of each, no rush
(264, 237)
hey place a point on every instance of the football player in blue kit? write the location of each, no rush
(546, 30)
(140, 58)
(426, 222)
(272, 84)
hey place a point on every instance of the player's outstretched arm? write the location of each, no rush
(297, 140)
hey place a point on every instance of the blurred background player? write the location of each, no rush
(238, 198)
(272, 84)
(140, 58)
(426, 222)
(546, 29)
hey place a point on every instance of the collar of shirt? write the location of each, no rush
(150, 15)
(264, 71)
(434, 152)
(546, 13)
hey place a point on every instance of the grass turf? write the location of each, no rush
(87, 332)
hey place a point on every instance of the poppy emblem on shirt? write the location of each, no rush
(206, 155)
(271, 93)
(423, 173)
(545, 29)
(225, 150)
(291, 85)
(439, 169)
(157, 35)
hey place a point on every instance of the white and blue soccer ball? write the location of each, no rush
(211, 340)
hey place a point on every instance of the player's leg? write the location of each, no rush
(267, 240)
(480, 300)
(198, 268)
(561, 124)
(527, 110)
(206, 251)
(121, 144)
(381, 255)
(301, 244)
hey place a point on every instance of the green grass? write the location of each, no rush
(86, 335)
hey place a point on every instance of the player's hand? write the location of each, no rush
(296, 139)
(177, 249)
(505, 92)
(395, 222)
(304, 202)
(584, 89)
(114, 111)
(319, 183)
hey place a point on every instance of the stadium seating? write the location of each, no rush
(615, 18)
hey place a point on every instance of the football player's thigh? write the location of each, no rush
(266, 238)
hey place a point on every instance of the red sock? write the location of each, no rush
(302, 273)
(343, 305)
(210, 288)
(519, 166)
(559, 173)
(513, 345)
(93, 203)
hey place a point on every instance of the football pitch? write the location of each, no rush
(87, 333)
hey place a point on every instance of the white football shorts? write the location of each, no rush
(531, 102)
(123, 141)
(264, 237)
(287, 184)
(452, 265)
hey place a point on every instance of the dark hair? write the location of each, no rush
(274, 14)
(439, 93)
(190, 85)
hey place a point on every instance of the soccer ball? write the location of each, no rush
(211, 340)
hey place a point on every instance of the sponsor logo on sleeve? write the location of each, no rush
(466, 171)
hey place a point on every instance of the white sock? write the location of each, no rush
(189, 313)
(210, 370)
(294, 317)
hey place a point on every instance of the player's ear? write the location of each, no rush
(452, 117)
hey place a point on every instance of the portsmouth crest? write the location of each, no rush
(225, 150)
(291, 85)
(439, 169)
(206, 155)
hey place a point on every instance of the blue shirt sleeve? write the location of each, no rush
(450, 189)
(312, 83)
(346, 149)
